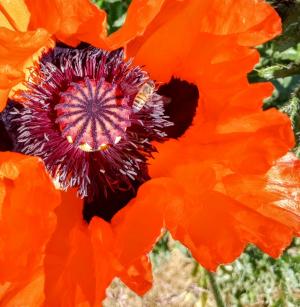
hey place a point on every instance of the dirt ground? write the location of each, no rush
(174, 286)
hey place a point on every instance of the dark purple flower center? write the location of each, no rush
(92, 118)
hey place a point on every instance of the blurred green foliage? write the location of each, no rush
(254, 279)
(116, 12)
(257, 279)
(280, 64)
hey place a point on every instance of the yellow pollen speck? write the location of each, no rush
(86, 147)
(69, 139)
(103, 146)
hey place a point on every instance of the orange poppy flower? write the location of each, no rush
(127, 157)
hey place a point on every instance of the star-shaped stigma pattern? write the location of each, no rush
(93, 115)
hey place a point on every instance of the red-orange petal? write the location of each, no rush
(10, 76)
(217, 225)
(104, 259)
(69, 263)
(217, 229)
(159, 48)
(274, 194)
(136, 274)
(139, 15)
(138, 226)
(16, 49)
(233, 153)
(71, 21)
(27, 293)
(28, 198)
(3, 98)
(138, 277)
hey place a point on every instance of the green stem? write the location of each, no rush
(215, 289)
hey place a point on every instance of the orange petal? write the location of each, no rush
(256, 20)
(262, 136)
(3, 98)
(80, 261)
(106, 264)
(215, 227)
(230, 134)
(139, 15)
(137, 226)
(138, 277)
(69, 263)
(270, 138)
(16, 49)
(26, 219)
(159, 48)
(216, 230)
(71, 21)
(274, 194)
(9, 76)
(29, 293)
(123, 252)
(14, 15)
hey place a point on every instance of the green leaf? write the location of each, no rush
(291, 29)
(116, 12)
